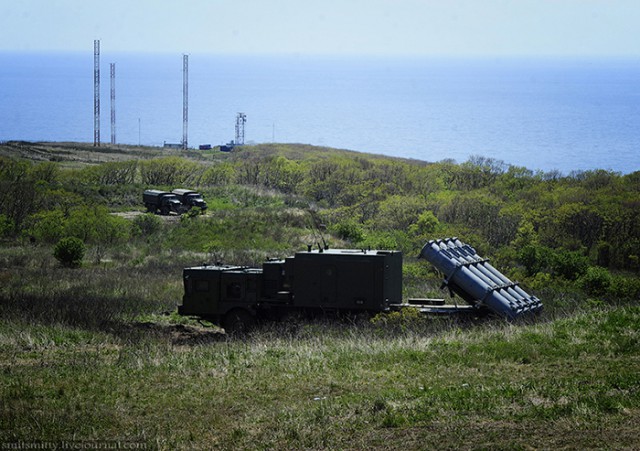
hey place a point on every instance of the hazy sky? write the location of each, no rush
(370, 27)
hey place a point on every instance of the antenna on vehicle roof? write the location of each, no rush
(318, 227)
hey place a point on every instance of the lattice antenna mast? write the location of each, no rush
(113, 102)
(241, 118)
(96, 93)
(185, 100)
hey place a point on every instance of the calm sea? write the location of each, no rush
(543, 114)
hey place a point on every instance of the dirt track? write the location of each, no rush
(135, 213)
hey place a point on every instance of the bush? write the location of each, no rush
(569, 264)
(399, 212)
(170, 171)
(147, 224)
(96, 225)
(349, 230)
(193, 212)
(380, 240)
(595, 281)
(622, 287)
(69, 251)
(48, 226)
(5, 225)
(426, 224)
(534, 258)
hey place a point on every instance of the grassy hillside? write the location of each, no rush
(96, 353)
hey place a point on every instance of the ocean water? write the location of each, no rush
(544, 114)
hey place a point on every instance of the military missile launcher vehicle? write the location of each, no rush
(190, 198)
(476, 281)
(346, 281)
(163, 202)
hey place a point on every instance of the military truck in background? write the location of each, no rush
(163, 202)
(190, 198)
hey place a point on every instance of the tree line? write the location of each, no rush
(542, 222)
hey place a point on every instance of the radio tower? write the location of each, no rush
(185, 100)
(241, 118)
(96, 93)
(113, 102)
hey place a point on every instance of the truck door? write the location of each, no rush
(232, 288)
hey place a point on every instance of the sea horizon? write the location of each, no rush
(543, 113)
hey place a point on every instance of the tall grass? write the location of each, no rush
(332, 386)
(36, 288)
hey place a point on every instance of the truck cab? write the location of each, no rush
(222, 294)
(190, 198)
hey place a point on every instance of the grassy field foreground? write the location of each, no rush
(572, 382)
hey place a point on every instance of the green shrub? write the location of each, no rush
(192, 213)
(97, 226)
(69, 251)
(399, 212)
(534, 258)
(5, 225)
(349, 230)
(622, 287)
(380, 240)
(170, 171)
(569, 264)
(427, 223)
(595, 281)
(540, 280)
(48, 226)
(147, 224)
(218, 174)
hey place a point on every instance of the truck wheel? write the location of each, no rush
(164, 211)
(238, 322)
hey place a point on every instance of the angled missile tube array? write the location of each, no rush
(476, 281)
